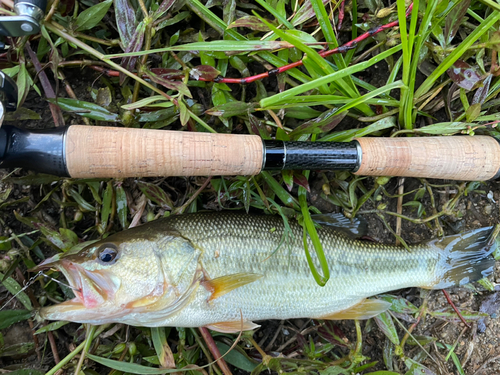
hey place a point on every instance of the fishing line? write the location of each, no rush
(31, 281)
(60, 282)
(26, 286)
(19, 236)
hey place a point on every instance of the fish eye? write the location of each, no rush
(107, 253)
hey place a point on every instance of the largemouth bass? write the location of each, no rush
(226, 270)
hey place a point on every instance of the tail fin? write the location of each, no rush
(466, 257)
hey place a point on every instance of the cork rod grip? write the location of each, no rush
(104, 152)
(462, 158)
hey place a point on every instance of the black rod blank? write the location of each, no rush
(279, 155)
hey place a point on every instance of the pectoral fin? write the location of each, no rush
(143, 302)
(224, 284)
(233, 327)
(367, 308)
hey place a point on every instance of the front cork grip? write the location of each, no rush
(463, 158)
(104, 152)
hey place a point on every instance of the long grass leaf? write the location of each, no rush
(15, 289)
(329, 34)
(491, 4)
(282, 194)
(406, 49)
(321, 62)
(215, 45)
(315, 100)
(423, 34)
(51, 327)
(275, 14)
(354, 34)
(209, 17)
(457, 53)
(221, 26)
(284, 96)
(374, 93)
(132, 368)
(159, 342)
(350, 134)
(310, 230)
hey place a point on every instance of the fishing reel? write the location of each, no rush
(26, 21)
(8, 95)
(29, 13)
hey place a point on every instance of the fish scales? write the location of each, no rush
(225, 270)
(234, 244)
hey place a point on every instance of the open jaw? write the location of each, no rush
(94, 292)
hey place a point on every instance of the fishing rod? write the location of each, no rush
(80, 151)
(108, 152)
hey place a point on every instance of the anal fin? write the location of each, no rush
(225, 284)
(233, 327)
(366, 309)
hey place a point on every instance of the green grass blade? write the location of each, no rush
(326, 26)
(329, 34)
(275, 14)
(213, 46)
(423, 34)
(406, 49)
(321, 62)
(354, 34)
(159, 343)
(349, 134)
(457, 53)
(209, 17)
(282, 194)
(408, 104)
(387, 88)
(300, 102)
(132, 368)
(491, 4)
(221, 26)
(15, 289)
(284, 96)
(310, 230)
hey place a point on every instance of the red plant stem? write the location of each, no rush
(205, 333)
(455, 308)
(53, 347)
(341, 14)
(47, 87)
(108, 72)
(344, 48)
(423, 309)
(325, 53)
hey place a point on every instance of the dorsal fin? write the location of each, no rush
(224, 284)
(355, 228)
(366, 309)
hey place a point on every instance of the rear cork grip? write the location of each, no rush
(104, 152)
(462, 158)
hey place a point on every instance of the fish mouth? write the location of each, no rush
(92, 289)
